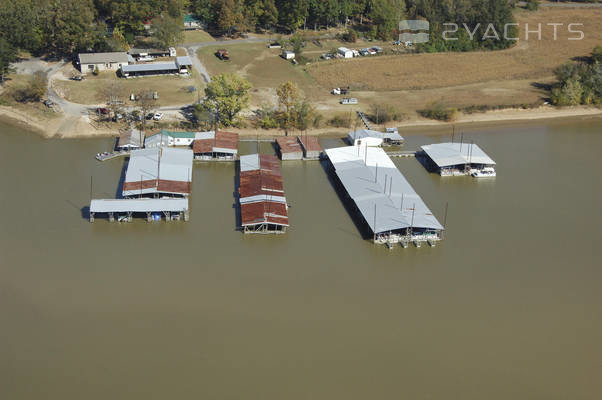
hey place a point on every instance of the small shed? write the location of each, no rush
(288, 55)
(345, 52)
(289, 148)
(311, 147)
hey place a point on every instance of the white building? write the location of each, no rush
(88, 62)
(288, 55)
(166, 138)
(367, 137)
(345, 52)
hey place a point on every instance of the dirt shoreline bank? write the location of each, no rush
(66, 127)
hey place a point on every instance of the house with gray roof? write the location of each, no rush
(88, 62)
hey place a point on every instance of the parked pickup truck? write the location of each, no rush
(352, 100)
(340, 91)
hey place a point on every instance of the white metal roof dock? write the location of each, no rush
(369, 133)
(138, 205)
(449, 154)
(374, 183)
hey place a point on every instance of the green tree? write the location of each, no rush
(8, 54)
(597, 54)
(227, 94)
(167, 31)
(288, 97)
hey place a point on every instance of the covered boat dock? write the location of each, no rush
(123, 210)
(454, 159)
(263, 207)
(382, 198)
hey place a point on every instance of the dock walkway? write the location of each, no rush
(109, 156)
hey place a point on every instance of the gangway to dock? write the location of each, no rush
(110, 155)
(364, 119)
(401, 153)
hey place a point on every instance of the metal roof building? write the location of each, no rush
(263, 207)
(390, 138)
(388, 204)
(130, 139)
(172, 67)
(178, 207)
(102, 58)
(311, 147)
(219, 145)
(160, 170)
(455, 158)
(448, 154)
(289, 148)
(169, 138)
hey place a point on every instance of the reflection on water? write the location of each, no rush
(508, 306)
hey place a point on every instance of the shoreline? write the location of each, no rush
(65, 127)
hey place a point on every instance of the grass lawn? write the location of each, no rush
(172, 90)
(197, 36)
(14, 82)
(263, 67)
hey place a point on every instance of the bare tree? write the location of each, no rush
(115, 95)
(146, 103)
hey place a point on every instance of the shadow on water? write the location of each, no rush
(352, 210)
(119, 190)
(85, 213)
(236, 194)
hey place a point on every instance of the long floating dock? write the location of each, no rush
(123, 210)
(390, 208)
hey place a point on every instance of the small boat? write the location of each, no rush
(487, 172)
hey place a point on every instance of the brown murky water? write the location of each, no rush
(509, 306)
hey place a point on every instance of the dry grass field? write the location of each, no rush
(410, 82)
(530, 60)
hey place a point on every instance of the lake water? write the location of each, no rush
(508, 306)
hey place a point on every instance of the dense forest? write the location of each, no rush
(63, 27)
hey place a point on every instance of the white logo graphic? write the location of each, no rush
(410, 31)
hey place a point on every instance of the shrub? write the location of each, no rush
(381, 114)
(532, 5)
(34, 90)
(340, 121)
(439, 112)
(349, 36)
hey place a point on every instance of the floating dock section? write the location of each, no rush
(454, 159)
(263, 207)
(123, 210)
(384, 200)
(289, 148)
(312, 150)
(215, 146)
(158, 172)
(374, 138)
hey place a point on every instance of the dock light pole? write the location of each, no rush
(390, 187)
(376, 174)
(401, 208)
(461, 140)
(386, 179)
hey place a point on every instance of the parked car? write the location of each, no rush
(377, 49)
(149, 116)
(351, 100)
(158, 116)
(48, 103)
(77, 78)
(102, 110)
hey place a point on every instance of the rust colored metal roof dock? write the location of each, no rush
(263, 207)
(289, 148)
(311, 147)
